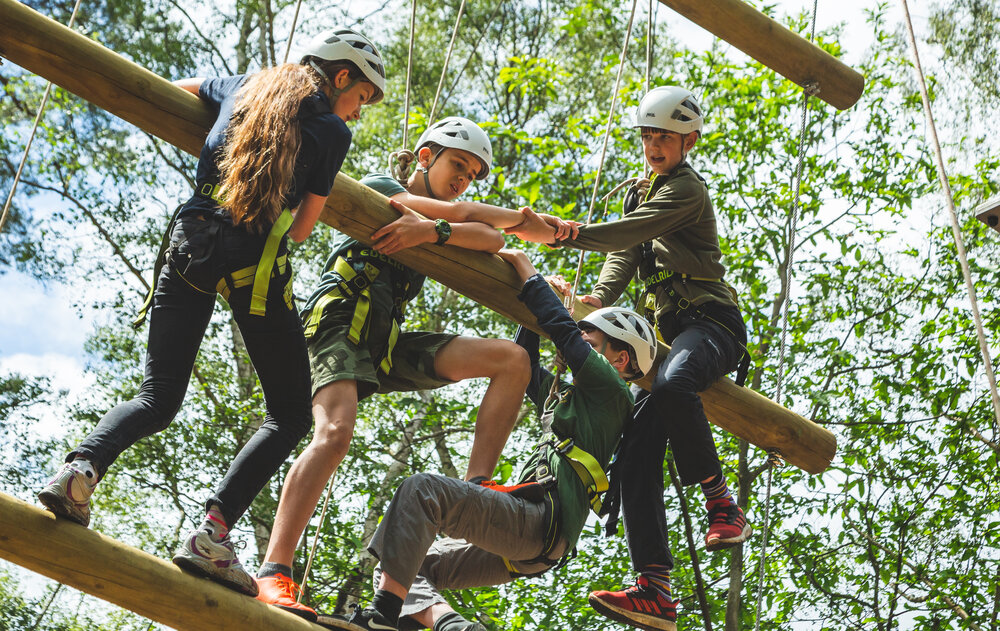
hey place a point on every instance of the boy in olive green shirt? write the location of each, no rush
(695, 311)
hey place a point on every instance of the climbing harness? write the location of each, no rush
(543, 488)
(357, 271)
(956, 230)
(258, 275)
(31, 136)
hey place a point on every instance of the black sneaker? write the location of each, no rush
(371, 620)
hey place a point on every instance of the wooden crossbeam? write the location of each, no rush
(128, 577)
(152, 103)
(777, 47)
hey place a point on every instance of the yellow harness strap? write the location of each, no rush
(356, 284)
(587, 469)
(246, 276)
(262, 278)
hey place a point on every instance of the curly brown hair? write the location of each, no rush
(257, 164)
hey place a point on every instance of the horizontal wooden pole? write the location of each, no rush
(98, 75)
(775, 46)
(128, 577)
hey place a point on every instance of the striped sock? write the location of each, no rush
(658, 577)
(716, 489)
(215, 524)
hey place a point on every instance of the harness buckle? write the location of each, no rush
(683, 303)
(354, 286)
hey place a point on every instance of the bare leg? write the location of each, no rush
(506, 365)
(335, 408)
(429, 616)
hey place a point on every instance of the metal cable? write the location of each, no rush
(291, 34)
(808, 91)
(409, 69)
(315, 542)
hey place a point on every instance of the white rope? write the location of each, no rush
(315, 542)
(568, 301)
(291, 34)
(956, 230)
(31, 136)
(447, 60)
(808, 91)
(409, 69)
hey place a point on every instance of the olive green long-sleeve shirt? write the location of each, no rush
(678, 218)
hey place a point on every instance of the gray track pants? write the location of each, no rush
(483, 527)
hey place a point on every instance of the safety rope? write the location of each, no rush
(568, 301)
(953, 216)
(808, 91)
(31, 136)
(291, 34)
(315, 542)
(409, 70)
(571, 298)
(401, 161)
(447, 60)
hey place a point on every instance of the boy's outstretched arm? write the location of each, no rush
(537, 227)
(413, 229)
(552, 316)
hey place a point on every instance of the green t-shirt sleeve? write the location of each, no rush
(382, 183)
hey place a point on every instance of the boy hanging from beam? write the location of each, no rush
(500, 533)
(695, 311)
(355, 345)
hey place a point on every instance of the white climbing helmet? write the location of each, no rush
(456, 132)
(671, 108)
(629, 327)
(343, 44)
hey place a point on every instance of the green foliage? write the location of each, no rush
(880, 346)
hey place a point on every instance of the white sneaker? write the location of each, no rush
(217, 561)
(68, 493)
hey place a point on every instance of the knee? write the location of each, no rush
(161, 401)
(332, 438)
(513, 361)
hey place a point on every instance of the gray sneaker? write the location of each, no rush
(201, 556)
(68, 494)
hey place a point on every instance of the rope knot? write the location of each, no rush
(401, 164)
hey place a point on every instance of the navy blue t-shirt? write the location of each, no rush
(325, 141)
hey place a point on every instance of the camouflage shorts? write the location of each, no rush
(333, 357)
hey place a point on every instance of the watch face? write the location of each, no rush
(443, 229)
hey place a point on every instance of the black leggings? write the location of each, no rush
(179, 316)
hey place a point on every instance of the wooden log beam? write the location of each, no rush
(775, 46)
(96, 74)
(151, 587)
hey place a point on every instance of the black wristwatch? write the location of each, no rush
(443, 228)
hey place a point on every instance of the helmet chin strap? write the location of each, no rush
(426, 172)
(336, 92)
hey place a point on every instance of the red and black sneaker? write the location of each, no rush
(641, 606)
(727, 525)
